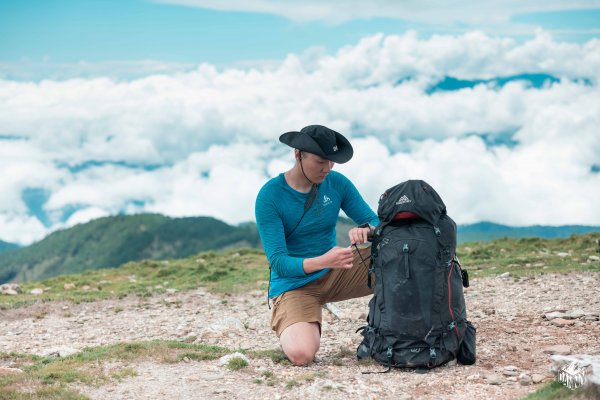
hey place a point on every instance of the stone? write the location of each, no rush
(562, 322)
(504, 275)
(37, 291)
(562, 254)
(493, 379)
(86, 288)
(10, 289)
(593, 258)
(510, 370)
(588, 363)
(225, 359)
(58, 352)
(555, 314)
(537, 378)
(561, 349)
(574, 314)
(473, 377)
(525, 380)
(69, 286)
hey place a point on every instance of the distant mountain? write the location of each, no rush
(112, 241)
(486, 231)
(5, 246)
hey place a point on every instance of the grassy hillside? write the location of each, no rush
(245, 269)
(112, 241)
(5, 246)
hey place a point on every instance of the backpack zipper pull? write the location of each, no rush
(406, 268)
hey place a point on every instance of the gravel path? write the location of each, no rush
(513, 341)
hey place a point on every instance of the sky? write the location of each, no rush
(175, 106)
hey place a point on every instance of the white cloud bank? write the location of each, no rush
(439, 12)
(203, 142)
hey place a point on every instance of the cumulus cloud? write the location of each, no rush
(203, 142)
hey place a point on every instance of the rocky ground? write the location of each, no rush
(520, 323)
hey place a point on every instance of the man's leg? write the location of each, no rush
(300, 342)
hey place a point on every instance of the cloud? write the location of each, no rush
(435, 12)
(203, 142)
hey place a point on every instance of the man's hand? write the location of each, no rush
(359, 235)
(337, 257)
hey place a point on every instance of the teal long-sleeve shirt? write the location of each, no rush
(278, 209)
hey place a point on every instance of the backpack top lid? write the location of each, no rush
(413, 196)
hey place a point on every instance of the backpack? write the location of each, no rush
(417, 316)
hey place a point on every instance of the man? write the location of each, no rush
(296, 214)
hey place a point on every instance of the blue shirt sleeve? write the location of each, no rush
(354, 205)
(272, 234)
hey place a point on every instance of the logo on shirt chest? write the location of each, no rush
(326, 200)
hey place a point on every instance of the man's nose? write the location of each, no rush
(328, 166)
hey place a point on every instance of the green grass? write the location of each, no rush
(557, 391)
(237, 363)
(530, 256)
(246, 269)
(227, 272)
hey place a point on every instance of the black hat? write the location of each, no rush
(320, 140)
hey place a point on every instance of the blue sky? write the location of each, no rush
(70, 31)
(175, 106)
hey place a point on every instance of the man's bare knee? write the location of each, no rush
(300, 356)
(300, 342)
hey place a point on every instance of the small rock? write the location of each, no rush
(58, 352)
(562, 322)
(561, 349)
(504, 275)
(473, 377)
(574, 314)
(171, 300)
(493, 379)
(552, 315)
(525, 380)
(510, 370)
(86, 288)
(171, 291)
(512, 379)
(37, 291)
(537, 378)
(69, 286)
(562, 254)
(10, 289)
(225, 359)
(593, 258)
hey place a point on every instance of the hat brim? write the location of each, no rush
(304, 142)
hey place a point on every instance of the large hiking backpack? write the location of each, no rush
(417, 316)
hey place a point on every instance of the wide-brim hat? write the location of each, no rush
(320, 140)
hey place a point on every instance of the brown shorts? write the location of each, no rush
(305, 304)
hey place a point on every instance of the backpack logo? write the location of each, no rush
(403, 200)
(326, 200)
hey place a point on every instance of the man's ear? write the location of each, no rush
(298, 154)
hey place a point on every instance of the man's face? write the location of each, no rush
(316, 168)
